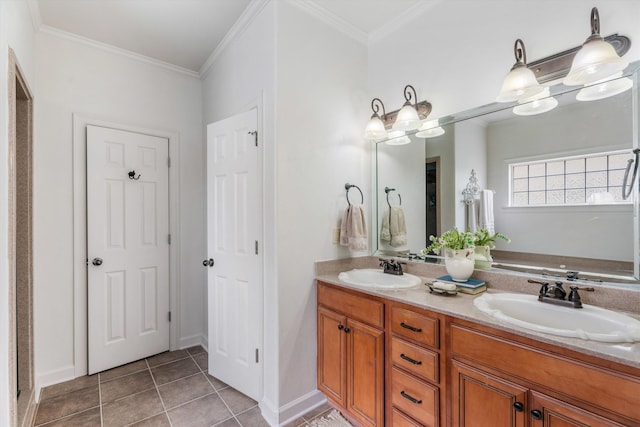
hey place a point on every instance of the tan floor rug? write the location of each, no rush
(334, 419)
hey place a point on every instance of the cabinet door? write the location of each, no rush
(365, 373)
(483, 400)
(549, 412)
(332, 355)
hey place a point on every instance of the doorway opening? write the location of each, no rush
(20, 244)
(432, 173)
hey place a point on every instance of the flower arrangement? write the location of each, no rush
(483, 238)
(451, 239)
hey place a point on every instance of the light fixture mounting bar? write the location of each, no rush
(423, 108)
(557, 66)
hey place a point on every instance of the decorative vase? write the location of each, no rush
(459, 263)
(483, 258)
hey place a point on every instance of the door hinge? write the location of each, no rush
(256, 247)
(169, 238)
(168, 162)
(169, 316)
(255, 134)
(257, 356)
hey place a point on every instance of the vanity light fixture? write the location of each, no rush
(430, 129)
(375, 130)
(521, 82)
(538, 104)
(408, 118)
(397, 137)
(596, 60)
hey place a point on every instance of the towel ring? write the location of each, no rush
(389, 190)
(348, 186)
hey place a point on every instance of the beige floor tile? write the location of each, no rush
(166, 357)
(314, 413)
(236, 401)
(231, 422)
(300, 421)
(203, 412)
(69, 386)
(252, 418)
(183, 390)
(160, 420)
(131, 409)
(202, 360)
(89, 418)
(174, 371)
(127, 369)
(125, 386)
(196, 350)
(67, 404)
(216, 383)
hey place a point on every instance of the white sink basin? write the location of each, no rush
(375, 278)
(588, 323)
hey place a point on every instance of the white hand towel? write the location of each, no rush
(385, 235)
(486, 211)
(472, 216)
(397, 227)
(353, 230)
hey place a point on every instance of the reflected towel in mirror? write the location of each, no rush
(353, 230)
(394, 227)
(486, 219)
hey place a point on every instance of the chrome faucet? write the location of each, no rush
(391, 266)
(555, 294)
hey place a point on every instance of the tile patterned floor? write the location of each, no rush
(170, 389)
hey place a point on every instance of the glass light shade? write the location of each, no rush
(605, 88)
(375, 131)
(596, 60)
(397, 137)
(520, 83)
(430, 129)
(537, 104)
(407, 118)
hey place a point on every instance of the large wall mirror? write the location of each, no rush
(556, 181)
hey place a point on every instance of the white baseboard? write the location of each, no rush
(300, 406)
(193, 340)
(53, 377)
(269, 412)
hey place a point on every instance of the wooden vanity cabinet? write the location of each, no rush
(351, 353)
(498, 379)
(413, 367)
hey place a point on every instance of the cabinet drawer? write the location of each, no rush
(415, 398)
(417, 360)
(415, 326)
(356, 307)
(398, 419)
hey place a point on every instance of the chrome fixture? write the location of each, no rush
(408, 118)
(556, 294)
(521, 82)
(596, 60)
(391, 266)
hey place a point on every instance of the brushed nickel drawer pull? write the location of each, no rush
(408, 359)
(409, 327)
(411, 398)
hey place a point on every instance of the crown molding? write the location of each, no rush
(36, 17)
(402, 20)
(331, 19)
(117, 51)
(248, 15)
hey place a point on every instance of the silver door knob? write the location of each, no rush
(97, 261)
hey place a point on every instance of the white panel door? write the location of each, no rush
(234, 281)
(127, 246)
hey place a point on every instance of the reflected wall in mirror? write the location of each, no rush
(556, 181)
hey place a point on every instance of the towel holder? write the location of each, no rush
(348, 187)
(471, 190)
(388, 190)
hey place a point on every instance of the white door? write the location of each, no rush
(234, 219)
(127, 246)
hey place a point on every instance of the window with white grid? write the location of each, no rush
(576, 180)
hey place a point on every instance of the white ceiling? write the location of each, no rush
(185, 33)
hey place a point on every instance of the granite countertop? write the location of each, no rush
(461, 306)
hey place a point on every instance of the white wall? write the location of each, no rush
(77, 78)
(470, 154)
(321, 108)
(16, 32)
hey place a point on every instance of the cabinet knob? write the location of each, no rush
(340, 327)
(519, 406)
(347, 330)
(536, 414)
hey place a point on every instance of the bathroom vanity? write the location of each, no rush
(410, 358)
